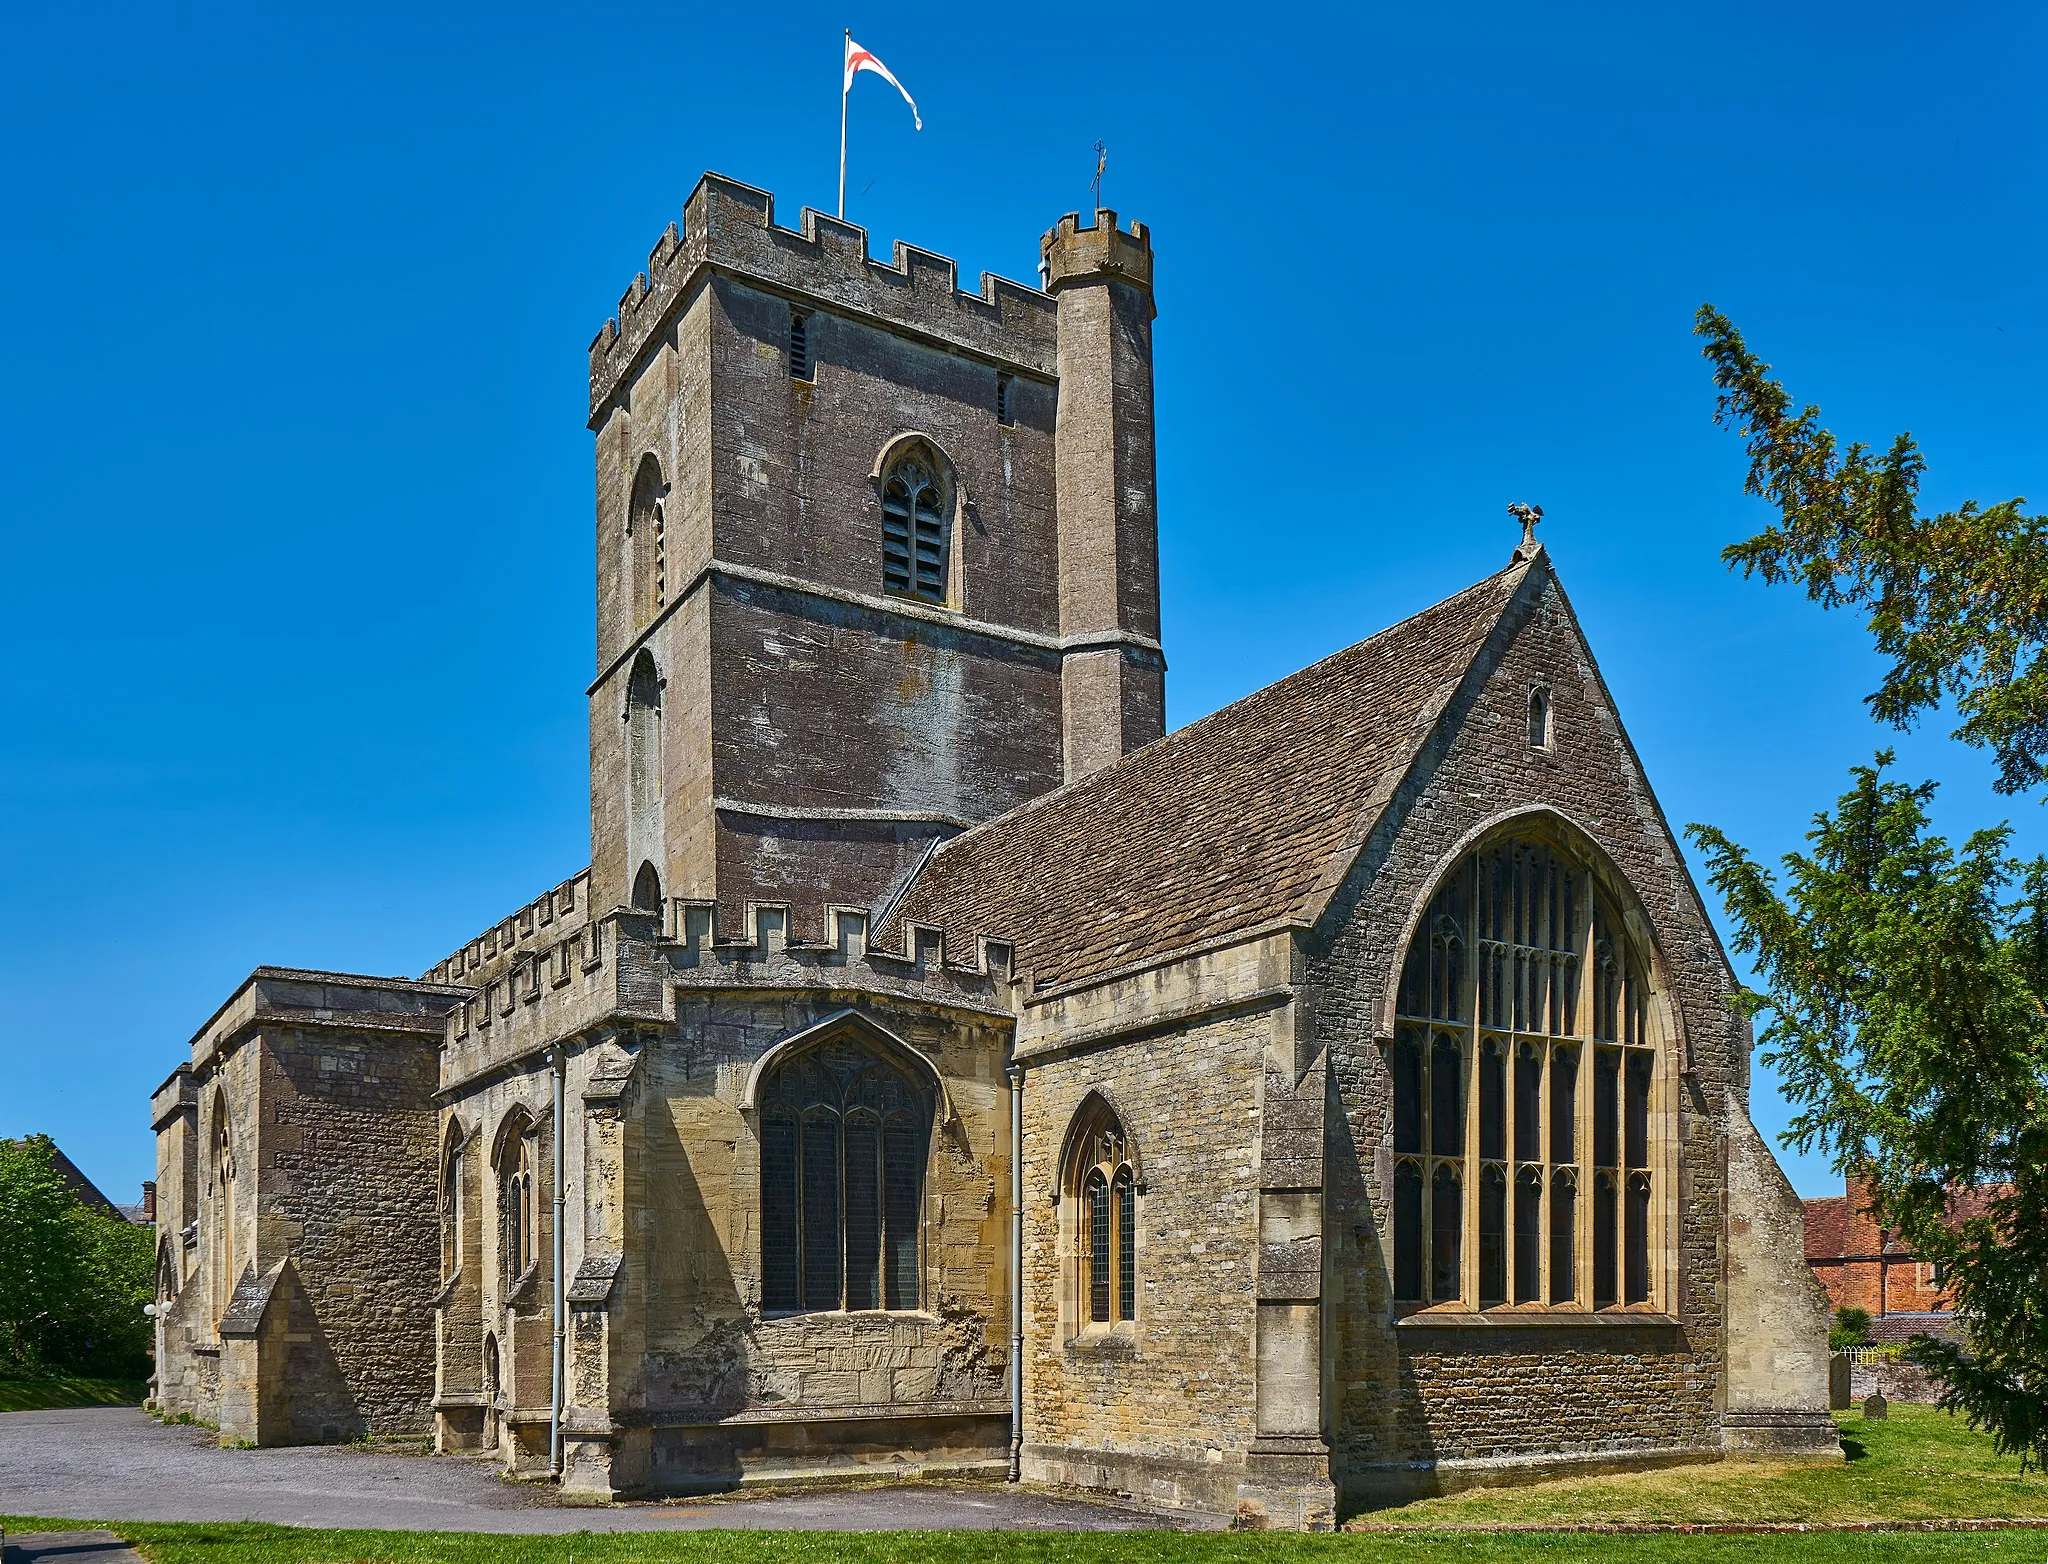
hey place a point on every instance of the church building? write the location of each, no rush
(941, 1069)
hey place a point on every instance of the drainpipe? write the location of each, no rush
(556, 1375)
(1016, 1074)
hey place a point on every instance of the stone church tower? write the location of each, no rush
(877, 559)
(940, 1069)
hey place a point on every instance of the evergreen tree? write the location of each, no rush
(1905, 997)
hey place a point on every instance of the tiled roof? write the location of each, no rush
(84, 1189)
(1233, 823)
(1828, 1222)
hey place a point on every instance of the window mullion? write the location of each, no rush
(1589, 1067)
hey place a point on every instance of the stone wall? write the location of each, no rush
(1413, 1402)
(349, 1192)
(1164, 1409)
(731, 1393)
(323, 1086)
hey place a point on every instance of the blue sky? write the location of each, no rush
(295, 489)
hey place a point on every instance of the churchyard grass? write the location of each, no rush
(248, 1543)
(36, 1395)
(1918, 1464)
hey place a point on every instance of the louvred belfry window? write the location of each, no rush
(845, 1135)
(914, 540)
(1527, 1113)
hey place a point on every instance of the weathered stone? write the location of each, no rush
(839, 898)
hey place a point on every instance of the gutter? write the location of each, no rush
(1016, 1074)
(557, 1379)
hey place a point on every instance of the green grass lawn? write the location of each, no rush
(1919, 1464)
(33, 1395)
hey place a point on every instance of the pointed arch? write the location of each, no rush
(642, 719)
(865, 1027)
(1097, 1110)
(1566, 833)
(919, 489)
(222, 1249)
(843, 1111)
(645, 528)
(647, 889)
(1528, 979)
(1100, 1230)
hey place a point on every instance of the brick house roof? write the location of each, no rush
(1827, 1227)
(1831, 1221)
(1244, 820)
(82, 1188)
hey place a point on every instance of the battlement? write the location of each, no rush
(731, 227)
(627, 965)
(1076, 252)
(544, 920)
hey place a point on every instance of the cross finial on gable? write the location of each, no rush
(1528, 516)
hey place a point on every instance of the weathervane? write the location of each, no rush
(1095, 184)
(1528, 516)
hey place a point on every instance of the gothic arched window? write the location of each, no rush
(1521, 1176)
(220, 1215)
(518, 1239)
(845, 1134)
(645, 526)
(1100, 1181)
(451, 1203)
(647, 889)
(915, 540)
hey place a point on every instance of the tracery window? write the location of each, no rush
(1526, 1111)
(914, 526)
(1100, 1180)
(451, 1204)
(845, 1135)
(517, 1211)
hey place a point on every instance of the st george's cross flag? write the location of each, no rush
(858, 60)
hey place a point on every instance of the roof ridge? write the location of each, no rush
(1188, 732)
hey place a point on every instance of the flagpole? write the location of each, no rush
(842, 124)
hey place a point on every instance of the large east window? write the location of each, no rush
(845, 1135)
(1527, 1106)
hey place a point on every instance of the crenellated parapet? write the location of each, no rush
(699, 954)
(731, 227)
(541, 924)
(626, 966)
(1074, 251)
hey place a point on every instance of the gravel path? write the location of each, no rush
(115, 1464)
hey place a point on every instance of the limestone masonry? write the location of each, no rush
(939, 1068)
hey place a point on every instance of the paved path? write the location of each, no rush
(69, 1547)
(115, 1464)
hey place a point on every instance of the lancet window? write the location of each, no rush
(845, 1136)
(1527, 1112)
(1100, 1183)
(220, 1214)
(646, 526)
